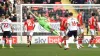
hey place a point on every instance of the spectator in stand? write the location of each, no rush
(98, 2)
(52, 13)
(80, 1)
(8, 7)
(99, 15)
(2, 9)
(2, 17)
(13, 18)
(17, 2)
(38, 1)
(24, 16)
(59, 12)
(51, 19)
(41, 1)
(57, 18)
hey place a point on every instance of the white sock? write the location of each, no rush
(89, 45)
(94, 45)
(67, 43)
(3, 43)
(81, 45)
(10, 43)
(77, 44)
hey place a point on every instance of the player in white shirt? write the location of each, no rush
(6, 26)
(72, 30)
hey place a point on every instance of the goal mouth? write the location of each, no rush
(75, 8)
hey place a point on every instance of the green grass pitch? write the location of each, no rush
(48, 50)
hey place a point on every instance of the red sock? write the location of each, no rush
(61, 40)
(79, 40)
(91, 41)
(94, 41)
(64, 42)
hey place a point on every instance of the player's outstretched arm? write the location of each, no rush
(32, 14)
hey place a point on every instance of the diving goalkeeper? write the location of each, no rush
(44, 23)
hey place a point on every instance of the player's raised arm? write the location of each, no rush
(36, 15)
(32, 14)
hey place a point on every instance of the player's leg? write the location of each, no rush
(92, 40)
(10, 39)
(81, 36)
(63, 39)
(69, 34)
(48, 28)
(28, 41)
(29, 37)
(75, 38)
(3, 40)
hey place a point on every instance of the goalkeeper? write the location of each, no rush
(44, 23)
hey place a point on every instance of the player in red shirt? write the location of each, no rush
(29, 27)
(92, 26)
(80, 28)
(63, 24)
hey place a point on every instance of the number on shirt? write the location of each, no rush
(5, 25)
(29, 23)
(74, 23)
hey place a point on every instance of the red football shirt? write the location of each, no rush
(29, 24)
(62, 23)
(92, 22)
(80, 20)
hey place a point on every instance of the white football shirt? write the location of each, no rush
(6, 25)
(72, 24)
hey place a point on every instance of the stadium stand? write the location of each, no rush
(6, 8)
(41, 1)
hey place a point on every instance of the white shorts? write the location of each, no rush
(80, 30)
(30, 32)
(92, 31)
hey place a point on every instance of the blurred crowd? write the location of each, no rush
(85, 1)
(6, 8)
(52, 14)
(37, 1)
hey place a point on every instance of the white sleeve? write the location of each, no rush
(10, 22)
(68, 21)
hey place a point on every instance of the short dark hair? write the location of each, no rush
(66, 15)
(7, 16)
(93, 14)
(28, 17)
(70, 14)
